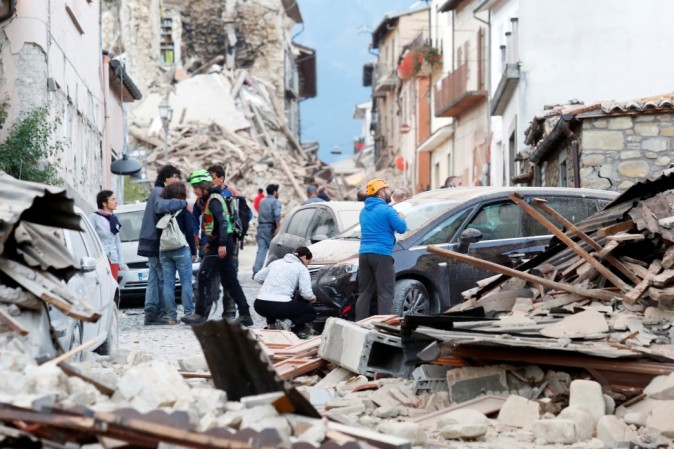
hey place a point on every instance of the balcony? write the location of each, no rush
(510, 78)
(461, 90)
(385, 79)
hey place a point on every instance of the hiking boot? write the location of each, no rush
(304, 331)
(283, 325)
(193, 319)
(246, 320)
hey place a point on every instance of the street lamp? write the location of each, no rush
(165, 114)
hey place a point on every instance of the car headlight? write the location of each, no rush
(338, 271)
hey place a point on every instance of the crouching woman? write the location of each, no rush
(277, 301)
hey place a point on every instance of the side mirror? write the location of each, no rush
(468, 236)
(88, 263)
(318, 238)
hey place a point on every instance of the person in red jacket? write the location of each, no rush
(258, 198)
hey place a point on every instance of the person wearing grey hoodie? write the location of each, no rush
(148, 243)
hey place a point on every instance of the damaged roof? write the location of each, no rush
(117, 72)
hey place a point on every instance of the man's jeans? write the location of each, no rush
(155, 308)
(179, 260)
(263, 238)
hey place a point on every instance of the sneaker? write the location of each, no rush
(283, 325)
(246, 320)
(230, 317)
(157, 322)
(193, 319)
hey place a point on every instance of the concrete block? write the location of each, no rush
(519, 412)
(661, 387)
(660, 418)
(470, 382)
(612, 430)
(582, 419)
(361, 350)
(408, 430)
(588, 395)
(430, 378)
(555, 431)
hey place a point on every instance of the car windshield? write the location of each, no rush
(417, 212)
(130, 221)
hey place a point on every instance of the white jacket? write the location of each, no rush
(280, 278)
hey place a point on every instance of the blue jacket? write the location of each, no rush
(378, 223)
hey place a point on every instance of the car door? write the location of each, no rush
(88, 284)
(293, 234)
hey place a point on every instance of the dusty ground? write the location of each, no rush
(176, 342)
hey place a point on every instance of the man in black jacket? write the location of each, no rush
(219, 254)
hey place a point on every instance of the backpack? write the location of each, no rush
(239, 215)
(171, 236)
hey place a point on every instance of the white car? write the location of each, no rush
(95, 284)
(133, 282)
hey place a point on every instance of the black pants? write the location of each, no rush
(211, 268)
(375, 274)
(298, 311)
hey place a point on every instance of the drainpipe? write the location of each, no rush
(575, 152)
(488, 87)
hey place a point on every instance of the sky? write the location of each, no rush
(340, 31)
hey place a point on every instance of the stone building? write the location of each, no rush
(610, 145)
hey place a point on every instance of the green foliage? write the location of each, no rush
(3, 112)
(28, 153)
(135, 191)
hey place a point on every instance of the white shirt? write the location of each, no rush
(281, 277)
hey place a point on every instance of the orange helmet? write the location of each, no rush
(375, 186)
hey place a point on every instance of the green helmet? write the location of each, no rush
(200, 176)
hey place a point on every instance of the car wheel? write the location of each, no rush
(410, 297)
(111, 340)
(75, 341)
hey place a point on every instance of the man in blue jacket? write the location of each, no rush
(378, 223)
(148, 243)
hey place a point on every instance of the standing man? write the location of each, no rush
(312, 195)
(258, 198)
(148, 243)
(268, 224)
(219, 253)
(378, 222)
(218, 175)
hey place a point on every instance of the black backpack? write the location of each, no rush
(240, 216)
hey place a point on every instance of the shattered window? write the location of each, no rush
(445, 231)
(573, 209)
(299, 223)
(498, 221)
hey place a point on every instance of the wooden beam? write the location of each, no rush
(608, 274)
(602, 295)
(541, 203)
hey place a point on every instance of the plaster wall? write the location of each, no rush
(50, 56)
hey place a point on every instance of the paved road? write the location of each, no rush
(178, 341)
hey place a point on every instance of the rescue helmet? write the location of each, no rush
(199, 176)
(375, 186)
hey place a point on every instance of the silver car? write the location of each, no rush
(133, 282)
(92, 282)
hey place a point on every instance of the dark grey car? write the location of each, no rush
(427, 283)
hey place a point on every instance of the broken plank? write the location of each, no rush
(586, 238)
(661, 294)
(11, 323)
(604, 271)
(602, 295)
(297, 366)
(633, 295)
(624, 237)
(623, 226)
(668, 257)
(608, 249)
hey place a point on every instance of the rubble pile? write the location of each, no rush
(234, 119)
